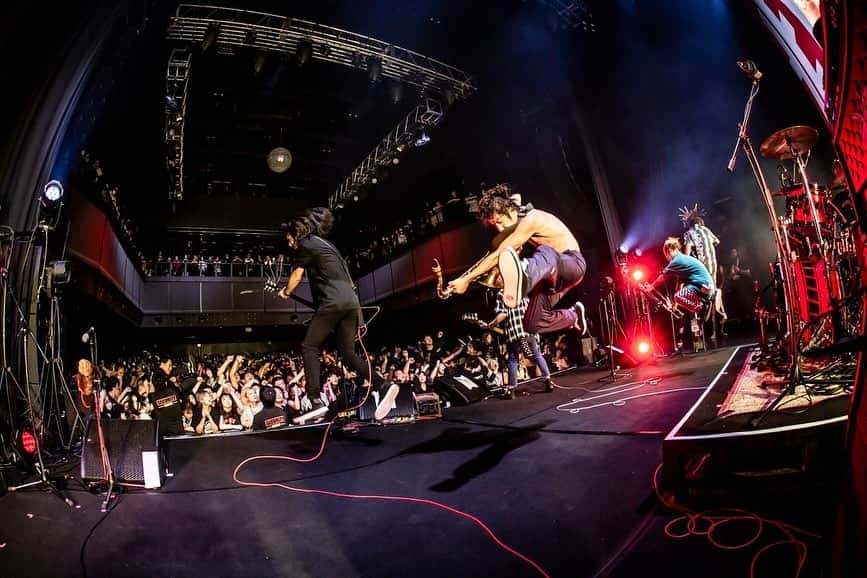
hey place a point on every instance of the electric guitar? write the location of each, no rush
(474, 319)
(273, 285)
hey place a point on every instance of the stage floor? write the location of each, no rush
(565, 478)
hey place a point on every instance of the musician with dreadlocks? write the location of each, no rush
(334, 295)
(554, 266)
(700, 242)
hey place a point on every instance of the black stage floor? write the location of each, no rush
(565, 478)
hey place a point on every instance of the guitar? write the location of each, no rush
(273, 285)
(474, 319)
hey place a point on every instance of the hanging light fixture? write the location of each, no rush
(279, 159)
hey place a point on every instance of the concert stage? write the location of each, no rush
(565, 478)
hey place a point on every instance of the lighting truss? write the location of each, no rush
(177, 81)
(426, 115)
(269, 32)
(573, 14)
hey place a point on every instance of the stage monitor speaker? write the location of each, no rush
(133, 451)
(403, 408)
(461, 389)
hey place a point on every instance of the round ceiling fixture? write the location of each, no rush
(279, 160)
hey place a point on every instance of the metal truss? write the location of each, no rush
(284, 34)
(573, 14)
(426, 115)
(177, 81)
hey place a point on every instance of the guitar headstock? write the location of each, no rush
(271, 285)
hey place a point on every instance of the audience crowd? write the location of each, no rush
(369, 247)
(212, 394)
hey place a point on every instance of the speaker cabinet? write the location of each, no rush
(461, 389)
(133, 451)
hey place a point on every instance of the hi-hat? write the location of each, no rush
(789, 142)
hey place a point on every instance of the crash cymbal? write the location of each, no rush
(788, 142)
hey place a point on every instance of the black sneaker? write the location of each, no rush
(581, 321)
(549, 385)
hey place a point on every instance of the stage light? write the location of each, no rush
(304, 52)
(52, 193)
(28, 442)
(374, 69)
(422, 140)
(395, 161)
(279, 160)
(210, 37)
(639, 252)
(374, 180)
(396, 91)
(623, 249)
(637, 275)
(643, 347)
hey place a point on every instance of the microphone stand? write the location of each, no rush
(97, 410)
(608, 314)
(790, 296)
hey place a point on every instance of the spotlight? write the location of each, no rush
(422, 140)
(374, 180)
(643, 347)
(395, 161)
(639, 252)
(623, 248)
(52, 193)
(638, 275)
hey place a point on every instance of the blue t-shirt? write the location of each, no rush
(689, 270)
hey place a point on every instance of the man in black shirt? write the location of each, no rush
(334, 297)
(271, 416)
(167, 405)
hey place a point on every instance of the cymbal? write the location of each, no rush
(788, 142)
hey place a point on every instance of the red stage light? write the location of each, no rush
(637, 274)
(643, 347)
(28, 442)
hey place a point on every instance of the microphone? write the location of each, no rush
(750, 70)
(86, 336)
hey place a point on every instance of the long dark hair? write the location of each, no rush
(314, 221)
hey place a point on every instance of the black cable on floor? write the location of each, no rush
(90, 533)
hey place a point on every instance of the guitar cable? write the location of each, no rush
(360, 333)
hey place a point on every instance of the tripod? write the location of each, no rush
(40, 463)
(610, 327)
(55, 389)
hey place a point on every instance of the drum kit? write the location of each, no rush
(816, 247)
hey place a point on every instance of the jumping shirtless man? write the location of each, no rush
(554, 267)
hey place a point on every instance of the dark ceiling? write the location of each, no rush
(653, 93)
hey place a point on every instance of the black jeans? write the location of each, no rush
(345, 323)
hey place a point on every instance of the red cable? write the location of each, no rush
(408, 499)
(718, 518)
